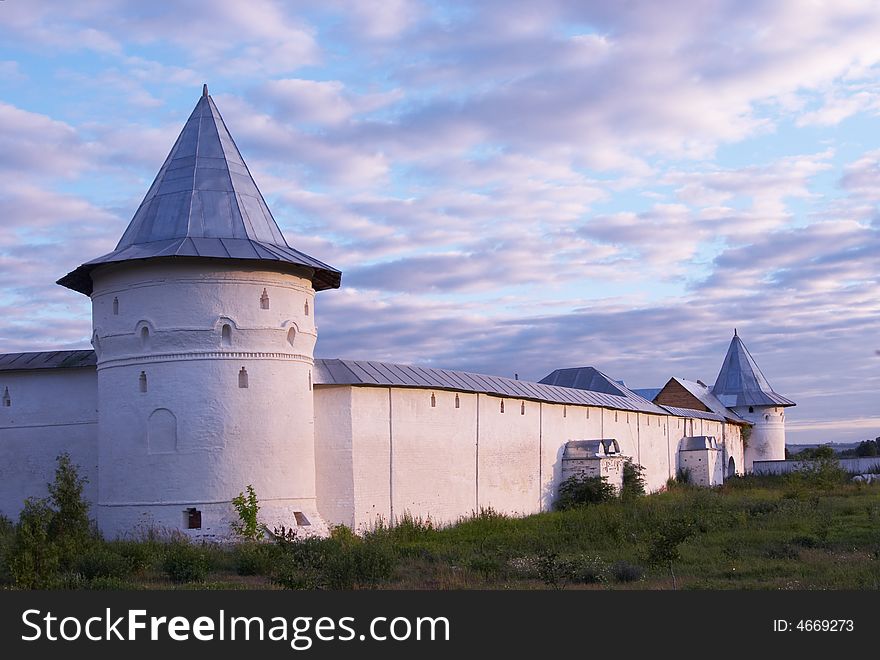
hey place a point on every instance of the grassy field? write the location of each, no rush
(790, 532)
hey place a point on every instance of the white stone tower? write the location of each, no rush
(743, 388)
(204, 331)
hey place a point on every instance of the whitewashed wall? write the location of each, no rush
(52, 411)
(384, 452)
(195, 438)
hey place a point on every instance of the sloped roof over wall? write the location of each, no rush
(361, 372)
(47, 360)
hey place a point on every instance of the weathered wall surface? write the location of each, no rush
(51, 411)
(853, 465)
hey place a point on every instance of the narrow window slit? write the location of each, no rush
(226, 335)
(306, 308)
(522, 408)
(433, 400)
(243, 378)
(116, 307)
(7, 401)
(142, 381)
(264, 300)
(457, 402)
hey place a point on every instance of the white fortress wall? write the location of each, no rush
(334, 454)
(559, 425)
(403, 455)
(50, 411)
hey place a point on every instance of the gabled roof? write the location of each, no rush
(383, 374)
(704, 395)
(204, 203)
(741, 383)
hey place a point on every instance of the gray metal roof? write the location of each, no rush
(585, 378)
(648, 393)
(699, 442)
(695, 414)
(361, 372)
(204, 203)
(46, 360)
(591, 448)
(741, 383)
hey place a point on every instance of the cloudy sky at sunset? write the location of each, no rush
(507, 186)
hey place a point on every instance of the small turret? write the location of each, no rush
(743, 388)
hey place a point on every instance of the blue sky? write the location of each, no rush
(508, 187)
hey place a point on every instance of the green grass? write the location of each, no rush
(752, 533)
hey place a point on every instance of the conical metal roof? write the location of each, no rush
(204, 203)
(740, 381)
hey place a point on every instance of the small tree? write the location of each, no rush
(70, 527)
(247, 506)
(579, 490)
(665, 546)
(34, 560)
(633, 480)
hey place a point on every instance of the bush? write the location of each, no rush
(102, 562)
(185, 563)
(580, 491)
(343, 561)
(70, 528)
(633, 480)
(35, 558)
(623, 571)
(255, 558)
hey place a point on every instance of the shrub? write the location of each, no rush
(555, 571)
(247, 508)
(70, 527)
(623, 571)
(580, 491)
(35, 559)
(255, 558)
(683, 476)
(589, 570)
(101, 561)
(185, 563)
(633, 480)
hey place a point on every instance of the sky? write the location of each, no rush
(508, 187)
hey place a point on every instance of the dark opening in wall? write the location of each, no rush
(751, 409)
(142, 381)
(264, 300)
(457, 401)
(7, 401)
(291, 336)
(301, 519)
(226, 335)
(116, 307)
(192, 518)
(310, 380)
(243, 378)
(145, 337)
(306, 308)
(564, 411)
(522, 408)
(433, 400)
(502, 406)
